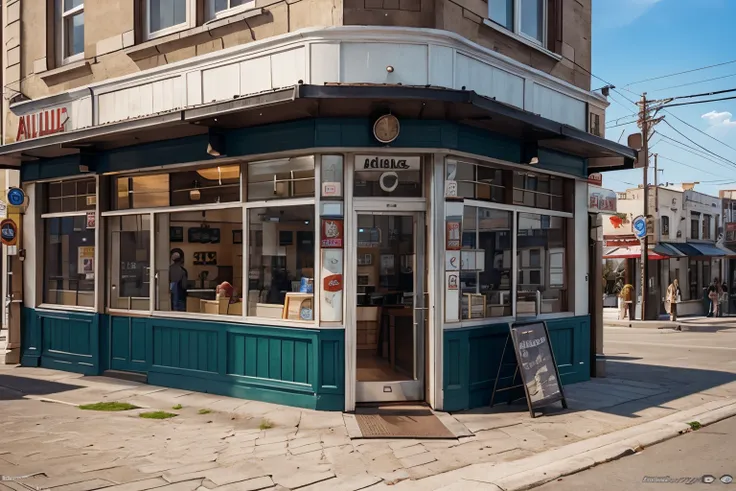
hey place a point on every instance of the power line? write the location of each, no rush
(686, 165)
(678, 73)
(610, 95)
(700, 102)
(703, 94)
(697, 144)
(701, 131)
(695, 83)
(693, 151)
(620, 124)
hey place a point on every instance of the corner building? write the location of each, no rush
(363, 193)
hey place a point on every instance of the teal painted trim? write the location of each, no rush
(472, 357)
(61, 340)
(304, 135)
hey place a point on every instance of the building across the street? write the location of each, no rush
(685, 242)
(312, 203)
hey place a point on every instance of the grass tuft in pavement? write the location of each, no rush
(265, 425)
(695, 425)
(205, 411)
(157, 415)
(177, 407)
(108, 406)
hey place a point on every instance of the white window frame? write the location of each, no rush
(61, 16)
(190, 21)
(516, 13)
(227, 12)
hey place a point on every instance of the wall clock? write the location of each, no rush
(386, 128)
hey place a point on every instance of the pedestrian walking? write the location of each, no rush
(674, 296)
(714, 295)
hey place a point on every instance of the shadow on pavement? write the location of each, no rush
(15, 387)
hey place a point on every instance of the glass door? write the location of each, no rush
(390, 306)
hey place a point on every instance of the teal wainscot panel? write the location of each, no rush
(291, 366)
(472, 357)
(61, 340)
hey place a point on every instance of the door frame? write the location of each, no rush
(417, 388)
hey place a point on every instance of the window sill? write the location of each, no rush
(523, 40)
(52, 307)
(188, 37)
(66, 72)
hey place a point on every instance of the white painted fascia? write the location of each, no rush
(403, 35)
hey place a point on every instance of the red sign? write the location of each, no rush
(332, 233)
(452, 239)
(731, 227)
(46, 122)
(333, 283)
(596, 179)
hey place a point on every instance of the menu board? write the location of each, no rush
(537, 365)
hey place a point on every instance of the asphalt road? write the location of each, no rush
(710, 451)
(691, 362)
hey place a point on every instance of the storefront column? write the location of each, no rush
(436, 264)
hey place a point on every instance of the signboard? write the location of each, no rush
(332, 233)
(382, 163)
(730, 232)
(16, 196)
(452, 238)
(86, 265)
(639, 227)
(42, 123)
(330, 309)
(3, 210)
(8, 232)
(601, 200)
(91, 220)
(537, 365)
(596, 179)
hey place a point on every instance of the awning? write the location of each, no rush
(332, 101)
(631, 252)
(728, 251)
(709, 250)
(665, 249)
(686, 249)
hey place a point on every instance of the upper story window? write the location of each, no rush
(665, 227)
(70, 30)
(694, 225)
(524, 17)
(218, 8)
(168, 16)
(706, 227)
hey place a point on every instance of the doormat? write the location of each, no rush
(400, 421)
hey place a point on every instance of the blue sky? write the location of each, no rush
(635, 40)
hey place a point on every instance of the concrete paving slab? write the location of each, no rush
(255, 484)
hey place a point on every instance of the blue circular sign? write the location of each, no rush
(639, 226)
(16, 196)
(8, 232)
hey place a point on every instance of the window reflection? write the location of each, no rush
(70, 262)
(281, 262)
(130, 260)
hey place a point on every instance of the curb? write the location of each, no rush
(542, 468)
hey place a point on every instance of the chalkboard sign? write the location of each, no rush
(537, 365)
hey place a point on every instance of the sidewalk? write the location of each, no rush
(695, 323)
(247, 445)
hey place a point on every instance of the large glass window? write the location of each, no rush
(281, 178)
(70, 196)
(208, 185)
(69, 265)
(542, 265)
(281, 262)
(540, 191)
(199, 261)
(477, 181)
(129, 250)
(485, 263)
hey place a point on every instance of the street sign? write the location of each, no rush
(16, 196)
(3, 210)
(8, 232)
(639, 227)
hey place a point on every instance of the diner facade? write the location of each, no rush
(316, 244)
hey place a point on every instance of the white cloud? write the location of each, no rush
(620, 13)
(723, 119)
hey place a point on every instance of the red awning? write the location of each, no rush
(631, 252)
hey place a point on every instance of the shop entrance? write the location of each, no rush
(390, 311)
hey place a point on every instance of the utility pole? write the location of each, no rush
(658, 228)
(644, 124)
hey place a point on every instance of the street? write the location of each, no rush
(682, 463)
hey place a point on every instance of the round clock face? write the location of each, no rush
(386, 128)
